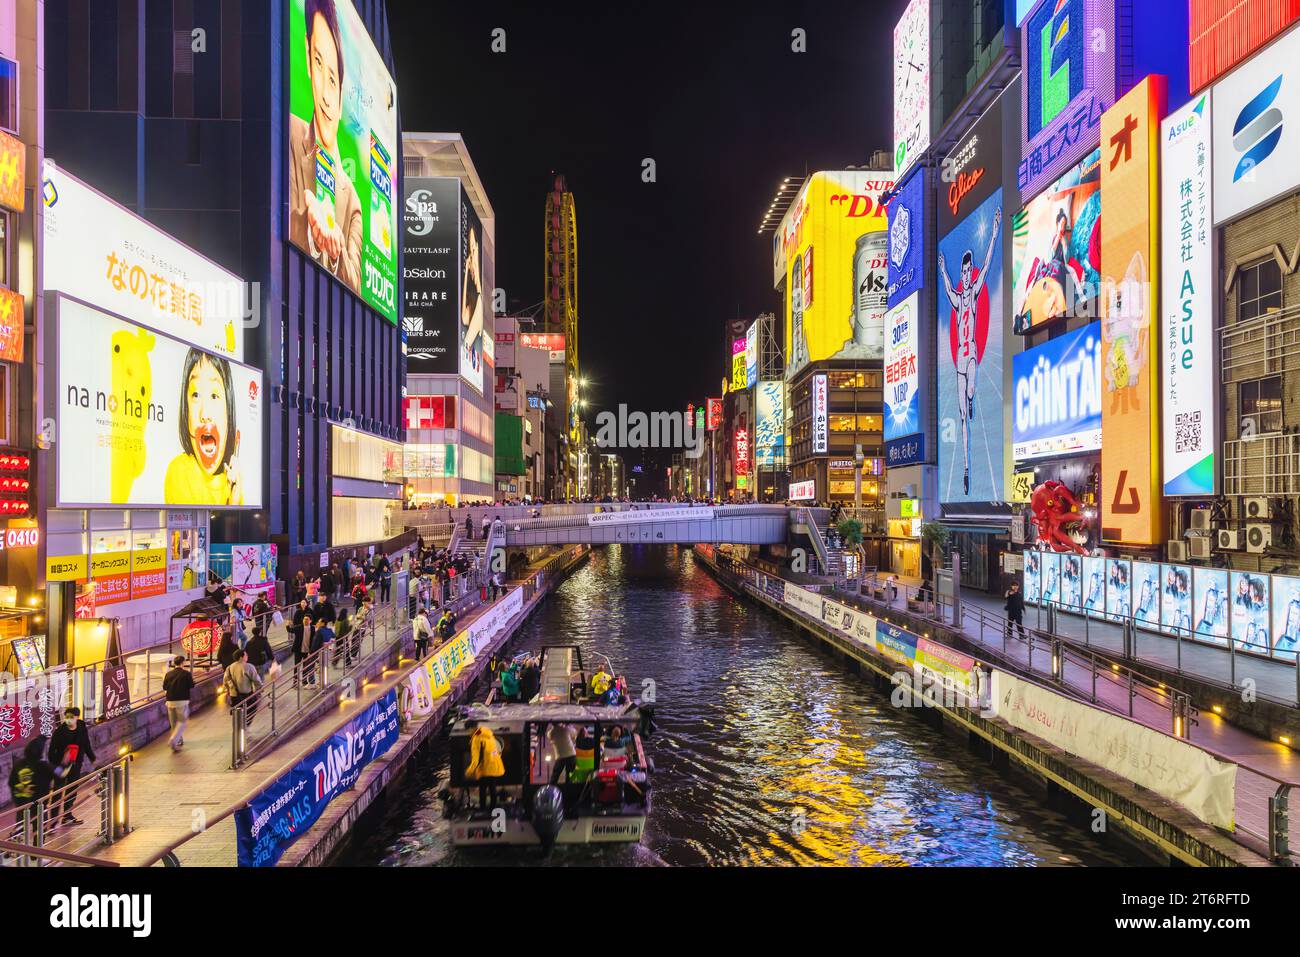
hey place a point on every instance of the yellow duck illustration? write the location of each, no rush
(129, 408)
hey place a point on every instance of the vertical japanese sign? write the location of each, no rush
(1189, 427)
(820, 411)
(1130, 458)
(902, 385)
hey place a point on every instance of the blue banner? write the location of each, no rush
(906, 274)
(908, 451)
(896, 643)
(283, 812)
(1057, 389)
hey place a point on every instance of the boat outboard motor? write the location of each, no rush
(548, 815)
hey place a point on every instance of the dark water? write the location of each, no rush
(768, 751)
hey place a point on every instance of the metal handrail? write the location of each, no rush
(1277, 812)
(55, 857)
(106, 789)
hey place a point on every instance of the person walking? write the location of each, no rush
(177, 685)
(31, 776)
(385, 578)
(566, 755)
(240, 681)
(260, 655)
(469, 526)
(413, 587)
(1015, 608)
(300, 632)
(486, 526)
(70, 746)
(421, 632)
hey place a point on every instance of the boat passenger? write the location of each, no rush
(561, 738)
(485, 764)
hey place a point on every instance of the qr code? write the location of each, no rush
(1187, 431)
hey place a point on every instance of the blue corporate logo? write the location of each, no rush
(1258, 129)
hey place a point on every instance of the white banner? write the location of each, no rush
(1171, 768)
(857, 624)
(820, 412)
(801, 599)
(693, 513)
(484, 628)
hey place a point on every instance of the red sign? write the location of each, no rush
(714, 414)
(1222, 33)
(742, 451)
(429, 412)
(201, 637)
(84, 604)
(961, 186)
(13, 170)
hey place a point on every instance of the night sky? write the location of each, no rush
(713, 93)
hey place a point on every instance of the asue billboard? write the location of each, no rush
(1067, 48)
(1057, 396)
(1189, 422)
(906, 271)
(1257, 130)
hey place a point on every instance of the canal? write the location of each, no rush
(768, 750)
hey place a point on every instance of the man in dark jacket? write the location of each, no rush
(1015, 607)
(177, 685)
(70, 746)
(299, 629)
(31, 776)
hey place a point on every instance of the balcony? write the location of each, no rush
(1263, 465)
(1260, 347)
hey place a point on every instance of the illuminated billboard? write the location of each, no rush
(342, 150)
(146, 420)
(739, 373)
(1067, 82)
(1257, 130)
(473, 297)
(972, 170)
(1130, 419)
(430, 225)
(102, 253)
(769, 425)
(1056, 393)
(902, 383)
(1189, 423)
(714, 415)
(1056, 249)
(820, 413)
(1221, 35)
(905, 273)
(837, 260)
(911, 85)
(552, 342)
(970, 358)
(751, 354)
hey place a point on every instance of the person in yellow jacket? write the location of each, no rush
(485, 764)
(600, 683)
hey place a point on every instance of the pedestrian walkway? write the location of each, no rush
(1259, 760)
(176, 794)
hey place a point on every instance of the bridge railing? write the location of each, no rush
(103, 795)
(580, 520)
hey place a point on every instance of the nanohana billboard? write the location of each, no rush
(1057, 396)
(1257, 130)
(103, 253)
(430, 227)
(1068, 51)
(739, 369)
(972, 466)
(836, 237)
(342, 150)
(902, 380)
(911, 85)
(1189, 424)
(146, 420)
(1130, 412)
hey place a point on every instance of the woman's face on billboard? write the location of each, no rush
(205, 408)
(326, 87)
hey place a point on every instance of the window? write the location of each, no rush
(1261, 406)
(9, 94)
(1259, 290)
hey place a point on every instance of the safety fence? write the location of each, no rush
(50, 823)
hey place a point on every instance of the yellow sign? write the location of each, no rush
(447, 662)
(110, 563)
(1022, 486)
(835, 238)
(65, 568)
(148, 559)
(1130, 250)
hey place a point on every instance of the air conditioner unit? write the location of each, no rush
(1177, 550)
(1258, 508)
(1199, 547)
(1258, 536)
(1200, 519)
(1228, 539)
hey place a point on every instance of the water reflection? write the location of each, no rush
(769, 752)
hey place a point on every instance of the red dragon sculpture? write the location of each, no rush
(1058, 518)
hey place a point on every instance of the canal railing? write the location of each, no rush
(46, 824)
(1262, 804)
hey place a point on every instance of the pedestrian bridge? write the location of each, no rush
(656, 524)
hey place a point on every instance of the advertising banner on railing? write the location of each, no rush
(801, 599)
(285, 809)
(693, 513)
(941, 665)
(773, 587)
(447, 662)
(857, 624)
(1166, 765)
(486, 627)
(896, 644)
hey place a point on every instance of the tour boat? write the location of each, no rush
(603, 798)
